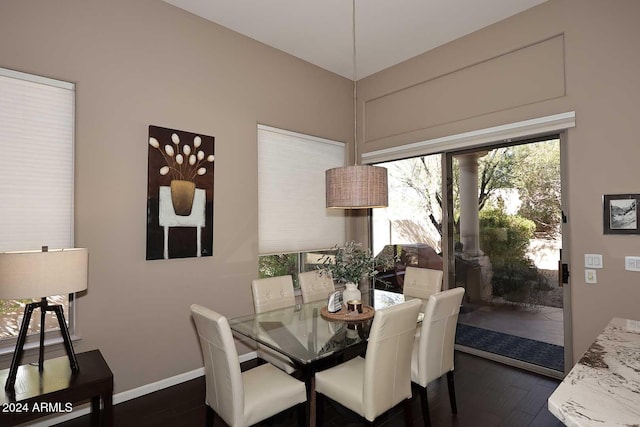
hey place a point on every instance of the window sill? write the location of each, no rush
(31, 348)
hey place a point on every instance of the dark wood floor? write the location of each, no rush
(488, 394)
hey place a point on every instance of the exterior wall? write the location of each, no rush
(563, 55)
(143, 62)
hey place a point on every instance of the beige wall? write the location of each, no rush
(564, 55)
(137, 63)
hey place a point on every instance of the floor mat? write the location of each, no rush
(527, 350)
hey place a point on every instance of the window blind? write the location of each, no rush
(36, 161)
(291, 192)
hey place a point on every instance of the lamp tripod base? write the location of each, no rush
(22, 336)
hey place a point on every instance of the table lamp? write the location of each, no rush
(39, 274)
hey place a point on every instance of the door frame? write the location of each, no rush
(565, 253)
(551, 124)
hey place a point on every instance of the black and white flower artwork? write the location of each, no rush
(179, 194)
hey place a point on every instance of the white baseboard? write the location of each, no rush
(134, 393)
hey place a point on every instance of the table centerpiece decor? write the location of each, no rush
(352, 263)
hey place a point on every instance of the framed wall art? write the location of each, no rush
(621, 213)
(179, 194)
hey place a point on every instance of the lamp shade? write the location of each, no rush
(357, 187)
(36, 274)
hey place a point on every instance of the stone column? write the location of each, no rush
(469, 221)
(478, 266)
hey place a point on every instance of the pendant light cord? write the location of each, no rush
(355, 88)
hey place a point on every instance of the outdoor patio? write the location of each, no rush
(527, 332)
(538, 323)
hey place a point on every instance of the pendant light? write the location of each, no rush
(357, 186)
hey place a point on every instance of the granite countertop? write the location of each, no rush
(603, 388)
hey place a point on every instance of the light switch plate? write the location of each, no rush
(593, 261)
(590, 276)
(632, 263)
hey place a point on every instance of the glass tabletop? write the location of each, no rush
(301, 333)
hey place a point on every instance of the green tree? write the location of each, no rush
(538, 184)
(531, 169)
(278, 265)
(423, 175)
(496, 171)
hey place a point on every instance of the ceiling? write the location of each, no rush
(387, 31)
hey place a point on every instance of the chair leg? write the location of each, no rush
(425, 407)
(452, 392)
(211, 416)
(302, 412)
(319, 409)
(408, 414)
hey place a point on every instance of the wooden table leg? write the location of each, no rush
(107, 409)
(310, 383)
(102, 410)
(95, 411)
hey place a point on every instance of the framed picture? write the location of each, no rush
(179, 194)
(621, 213)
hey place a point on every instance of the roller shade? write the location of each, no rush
(291, 192)
(36, 161)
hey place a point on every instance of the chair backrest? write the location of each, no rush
(421, 282)
(387, 371)
(272, 293)
(315, 285)
(225, 393)
(437, 336)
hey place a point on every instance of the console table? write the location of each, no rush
(57, 389)
(603, 388)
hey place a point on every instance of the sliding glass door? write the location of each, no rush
(411, 227)
(505, 233)
(501, 242)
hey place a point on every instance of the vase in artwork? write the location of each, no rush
(350, 293)
(182, 193)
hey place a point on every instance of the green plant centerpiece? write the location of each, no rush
(352, 263)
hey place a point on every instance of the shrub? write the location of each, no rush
(505, 239)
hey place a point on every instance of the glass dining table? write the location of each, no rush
(311, 341)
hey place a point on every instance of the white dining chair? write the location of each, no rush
(421, 282)
(433, 350)
(315, 285)
(269, 294)
(241, 398)
(272, 293)
(382, 380)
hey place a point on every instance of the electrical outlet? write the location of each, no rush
(590, 276)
